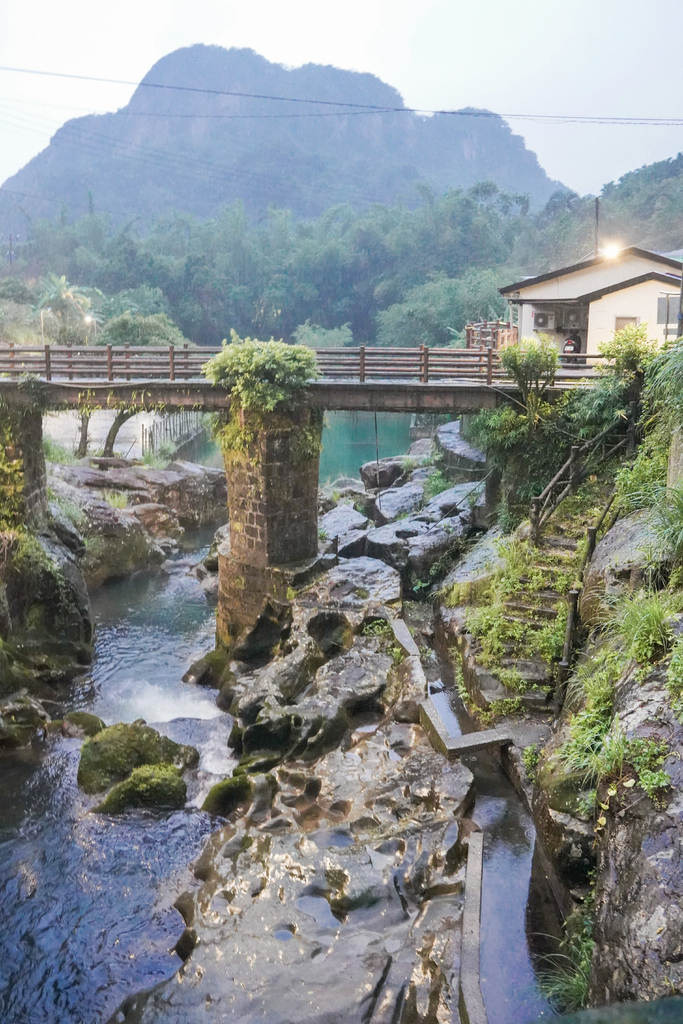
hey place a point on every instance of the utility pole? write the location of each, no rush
(10, 255)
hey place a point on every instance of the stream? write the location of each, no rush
(87, 901)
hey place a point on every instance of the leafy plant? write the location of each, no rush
(640, 484)
(642, 623)
(263, 375)
(55, 452)
(565, 976)
(628, 353)
(674, 680)
(532, 364)
(435, 484)
(117, 499)
(531, 755)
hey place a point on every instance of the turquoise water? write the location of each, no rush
(349, 441)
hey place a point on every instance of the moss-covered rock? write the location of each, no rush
(152, 785)
(226, 796)
(21, 718)
(81, 723)
(116, 751)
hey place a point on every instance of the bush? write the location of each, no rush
(263, 375)
(640, 485)
(642, 623)
(532, 364)
(629, 353)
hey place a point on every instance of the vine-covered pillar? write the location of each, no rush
(23, 482)
(271, 464)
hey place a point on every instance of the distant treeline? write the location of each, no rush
(388, 276)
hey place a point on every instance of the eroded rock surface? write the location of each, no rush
(337, 896)
(618, 564)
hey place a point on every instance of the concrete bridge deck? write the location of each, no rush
(384, 380)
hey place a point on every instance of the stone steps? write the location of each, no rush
(533, 610)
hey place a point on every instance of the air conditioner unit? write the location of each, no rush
(544, 321)
(572, 318)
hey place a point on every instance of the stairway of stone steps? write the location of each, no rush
(534, 610)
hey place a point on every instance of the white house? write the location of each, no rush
(590, 300)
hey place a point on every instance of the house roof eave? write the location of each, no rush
(632, 250)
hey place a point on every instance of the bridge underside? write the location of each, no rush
(372, 396)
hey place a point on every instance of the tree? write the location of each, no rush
(130, 329)
(532, 364)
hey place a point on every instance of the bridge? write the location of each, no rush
(381, 379)
(273, 478)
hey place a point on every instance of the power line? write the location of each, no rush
(370, 107)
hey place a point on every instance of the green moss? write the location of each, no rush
(11, 474)
(89, 724)
(115, 752)
(158, 785)
(227, 796)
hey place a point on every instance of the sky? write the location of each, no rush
(611, 58)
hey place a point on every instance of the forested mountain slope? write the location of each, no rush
(196, 152)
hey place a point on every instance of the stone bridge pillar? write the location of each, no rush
(23, 483)
(271, 464)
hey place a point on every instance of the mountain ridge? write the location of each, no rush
(197, 151)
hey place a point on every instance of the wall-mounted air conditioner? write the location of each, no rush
(544, 321)
(573, 319)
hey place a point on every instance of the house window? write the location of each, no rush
(623, 321)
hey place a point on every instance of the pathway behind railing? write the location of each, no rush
(362, 364)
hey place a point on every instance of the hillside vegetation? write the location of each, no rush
(389, 275)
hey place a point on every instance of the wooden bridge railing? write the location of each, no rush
(125, 363)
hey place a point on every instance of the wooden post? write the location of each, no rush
(48, 364)
(632, 420)
(425, 364)
(110, 366)
(361, 364)
(574, 467)
(185, 357)
(11, 359)
(126, 356)
(69, 361)
(564, 667)
(534, 519)
(171, 362)
(592, 534)
(489, 367)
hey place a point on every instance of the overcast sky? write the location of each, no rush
(576, 57)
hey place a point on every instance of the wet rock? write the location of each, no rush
(356, 586)
(197, 494)
(467, 582)
(65, 531)
(395, 502)
(158, 520)
(112, 754)
(639, 885)
(412, 546)
(342, 900)
(619, 563)
(220, 538)
(348, 528)
(227, 796)
(424, 449)
(21, 718)
(387, 472)
(158, 785)
(454, 501)
(80, 724)
(455, 451)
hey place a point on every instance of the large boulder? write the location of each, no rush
(152, 785)
(358, 587)
(412, 546)
(396, 502)
(347, 527)
(21, 718)
(112, 754)
(619, 563)
(45, 623)
(383, 473)
(455, 451)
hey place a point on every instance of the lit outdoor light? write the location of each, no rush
(88, 319)
(610, 251)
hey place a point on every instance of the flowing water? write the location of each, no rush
(86, 901)
(512, 900)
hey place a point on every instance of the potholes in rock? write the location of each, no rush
(331, 632)
(284, 932)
